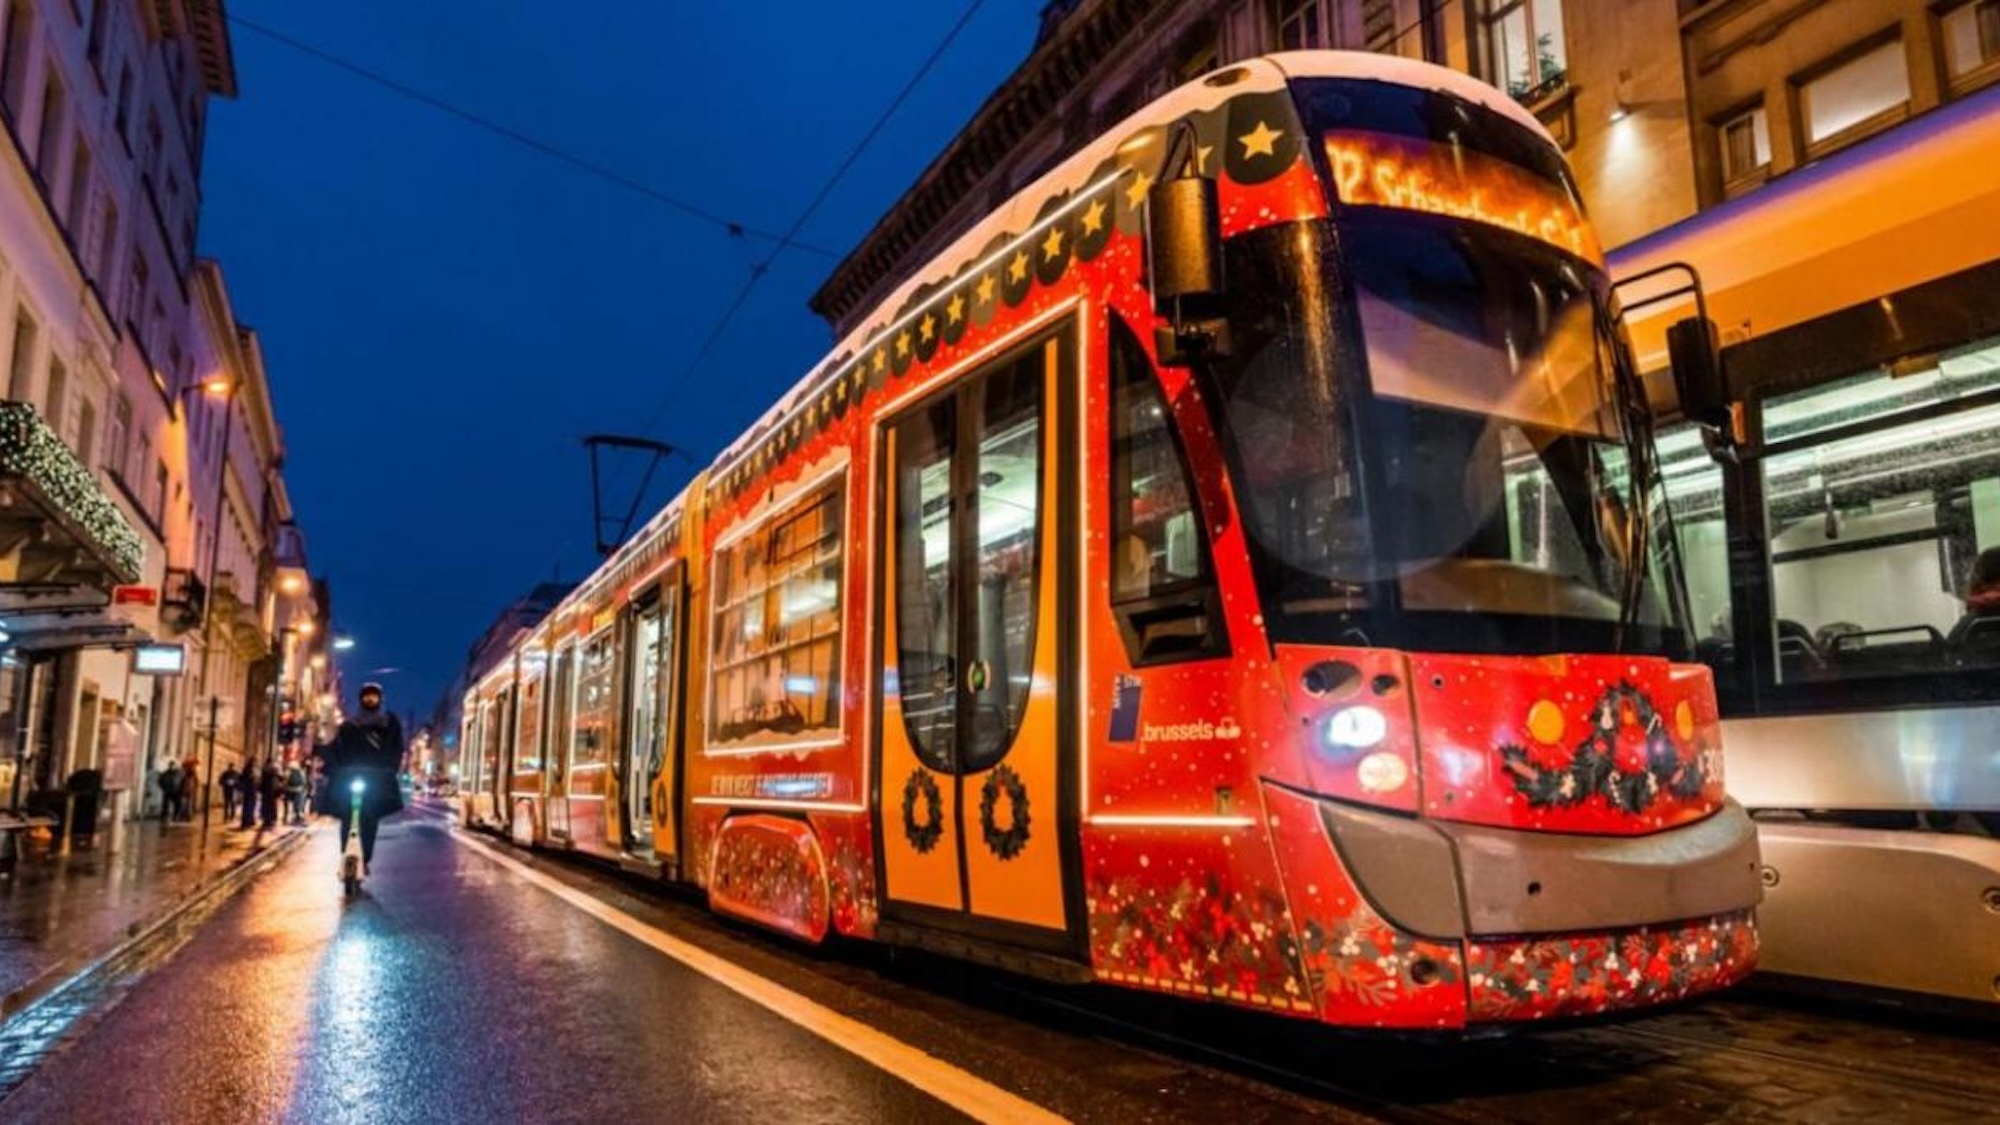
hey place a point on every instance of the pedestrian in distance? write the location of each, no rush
(270, 787)
(228, 779)
(190, 785)
(368, 748)
(247, 787)
(295, 791)
(170, 790)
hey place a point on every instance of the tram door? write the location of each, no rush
(648, 796)
(971, 766)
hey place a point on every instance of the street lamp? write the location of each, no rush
(214, 386)
(343, 644)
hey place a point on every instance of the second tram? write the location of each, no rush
(1237, 568)
(1844, 559)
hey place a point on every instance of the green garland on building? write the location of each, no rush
(31, 450)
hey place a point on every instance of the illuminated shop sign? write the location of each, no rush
(1380, 170)
(159, 660)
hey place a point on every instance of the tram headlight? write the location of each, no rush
(1355, 728)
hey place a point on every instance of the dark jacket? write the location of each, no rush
(369, 748)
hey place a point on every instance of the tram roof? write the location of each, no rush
(1263, 74)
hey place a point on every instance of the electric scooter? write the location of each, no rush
(350, 860)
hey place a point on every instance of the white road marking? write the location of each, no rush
(970, 1095)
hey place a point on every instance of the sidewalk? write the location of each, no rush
(58, 915)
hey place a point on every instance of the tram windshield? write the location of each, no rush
(1425, 420)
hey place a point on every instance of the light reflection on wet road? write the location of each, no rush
(449, 991)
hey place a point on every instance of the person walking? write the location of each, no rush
(368, 748)
(270, 786)
(170, 790)
(228, 780)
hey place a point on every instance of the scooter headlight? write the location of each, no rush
(357, 785)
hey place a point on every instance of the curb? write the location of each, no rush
(60, 980)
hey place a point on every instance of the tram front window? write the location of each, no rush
(1451, 477)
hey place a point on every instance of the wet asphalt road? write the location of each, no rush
(460, 990)
(449, 991)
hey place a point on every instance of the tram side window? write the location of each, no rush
(1161, 581)
(596, 684)
(777, 626)
(528, 744)
(1882, 493)
(1694, 495)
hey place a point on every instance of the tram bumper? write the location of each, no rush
(1558, 924)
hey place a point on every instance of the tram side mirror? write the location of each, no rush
(1184, 263)
(1694, 351)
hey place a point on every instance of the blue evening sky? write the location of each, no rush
(444, 313)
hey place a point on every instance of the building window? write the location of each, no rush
(777, 627)
(124, 118)
(21, 367)
(1971, 38)
(1299, 25)
(79, 192)
(135, 293)
(53, 107)
(1525, 38)
(56, 405)
(107, 241)
(94, 50)
(117, 433)
(1746, 144)
(14, 65)
(86, 430)
(1855, 94)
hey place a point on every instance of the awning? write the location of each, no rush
(1919, 202)
(56, 524)
(52, 617)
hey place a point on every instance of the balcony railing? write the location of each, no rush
(31, 451)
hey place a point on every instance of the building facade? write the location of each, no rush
(140, 448)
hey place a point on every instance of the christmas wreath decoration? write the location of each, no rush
(1630, 772)
(1008, 843)
(924, 836)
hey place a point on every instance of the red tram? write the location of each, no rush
(1294, 624)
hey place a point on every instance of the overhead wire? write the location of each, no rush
(790, 237)
(732, 227)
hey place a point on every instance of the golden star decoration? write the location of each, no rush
(881, 361)
(955, 311)
(928, 328)
(903, 343)
(1093, 217)
(1135, 196)
(985, 289)
(1261, 141)
(1017, 270)
(1052, 245)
